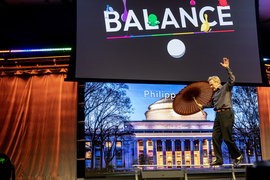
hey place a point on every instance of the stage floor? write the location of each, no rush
(132, 178)
(203, 176)
(193, 174)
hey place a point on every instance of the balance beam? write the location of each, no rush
(185, 168)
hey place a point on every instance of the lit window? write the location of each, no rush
(118, 144)
(88, 154)
(87, 144)
(108, 144)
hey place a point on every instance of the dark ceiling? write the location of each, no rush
(49, 23)
(36, 23)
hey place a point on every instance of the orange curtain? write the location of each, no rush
(38, 125)
(264, 111)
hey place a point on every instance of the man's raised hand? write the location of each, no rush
(225, 63)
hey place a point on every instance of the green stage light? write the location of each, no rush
(2, 160)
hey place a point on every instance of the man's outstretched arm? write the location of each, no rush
(225, 64)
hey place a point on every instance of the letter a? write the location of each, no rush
(131, 15)
(165, 22)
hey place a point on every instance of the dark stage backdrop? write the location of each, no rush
(38, 126)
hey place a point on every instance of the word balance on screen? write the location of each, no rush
(168, 41)
(113, 23)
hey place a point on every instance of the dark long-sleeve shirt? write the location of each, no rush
(222, 98)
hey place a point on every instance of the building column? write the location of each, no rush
(127, 154)
(145, 147)
(183, 151)
(136, 150)
(192, 151)
(173, 152)
(210, 151)
(154, 152)
(201, 150)
(164, 151)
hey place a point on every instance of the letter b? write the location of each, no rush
(108, 21)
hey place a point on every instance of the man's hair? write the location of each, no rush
(214, 78)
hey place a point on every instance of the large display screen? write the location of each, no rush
(130, 124)
(166, 40)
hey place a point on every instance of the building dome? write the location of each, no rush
(163, 110)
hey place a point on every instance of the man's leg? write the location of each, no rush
(226, 124)
(217, 139)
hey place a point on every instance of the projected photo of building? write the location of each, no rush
(164, 137)
(167, 138)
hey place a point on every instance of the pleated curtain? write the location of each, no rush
(38, 125)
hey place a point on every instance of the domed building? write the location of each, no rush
(167, 138)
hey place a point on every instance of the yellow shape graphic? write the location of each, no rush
(205, 26)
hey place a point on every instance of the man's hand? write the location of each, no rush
(225, 63)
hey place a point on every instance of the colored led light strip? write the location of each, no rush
(169, 34)
(35, 50)
(39, 50)
(4, 51)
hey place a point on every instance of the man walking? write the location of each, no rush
(223, 124)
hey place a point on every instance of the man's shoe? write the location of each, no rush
(216, 163)
(238, 160)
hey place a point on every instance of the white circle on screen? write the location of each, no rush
(176, 48)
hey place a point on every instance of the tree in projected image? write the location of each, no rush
(247, 127)
(107, 108)
(114, 140)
